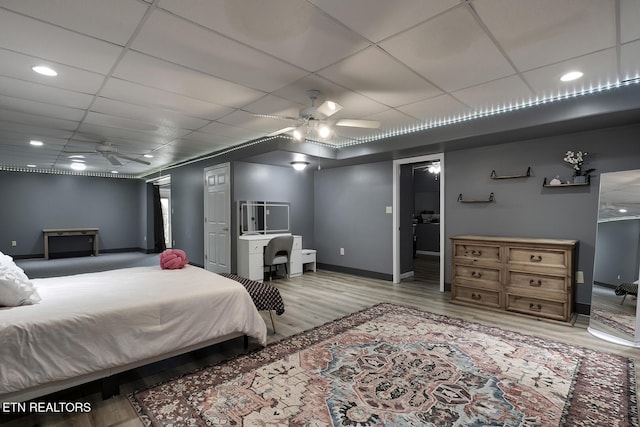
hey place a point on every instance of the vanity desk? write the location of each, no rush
(251, 255)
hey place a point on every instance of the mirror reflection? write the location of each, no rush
(617, 259)
(258, 217)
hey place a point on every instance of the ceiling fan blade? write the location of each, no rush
(113, 160)
(79, 152)
(329, 108)
(367, 124)
(273, 116)
(144, 162)
(280, 131)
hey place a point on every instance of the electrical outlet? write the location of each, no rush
(341, 251)
(580, 277)
(14, 243)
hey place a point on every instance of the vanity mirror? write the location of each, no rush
(258, 217)
(617, 260)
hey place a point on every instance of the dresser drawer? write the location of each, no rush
(482, 297)
(536, 282)
(542, 259)
(476, 252)
(477, 276)
(537, 307)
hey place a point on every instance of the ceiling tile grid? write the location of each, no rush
(182, 79)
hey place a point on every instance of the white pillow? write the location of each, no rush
(15, 287)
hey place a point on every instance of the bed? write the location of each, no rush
(94, 325)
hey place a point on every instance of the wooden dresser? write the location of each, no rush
(528, 276)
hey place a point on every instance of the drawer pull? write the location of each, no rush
(536, 258)
(535, 283)
(476, 253)
(476, 274)
(535, 307)
(476, 297)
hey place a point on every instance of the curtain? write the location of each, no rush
(158, 224)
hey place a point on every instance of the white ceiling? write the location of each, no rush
(179, 79)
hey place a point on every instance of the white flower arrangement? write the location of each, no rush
(576, 160)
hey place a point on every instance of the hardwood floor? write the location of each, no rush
(310, 300)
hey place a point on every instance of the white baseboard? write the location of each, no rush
(406, 275)
(428, 253)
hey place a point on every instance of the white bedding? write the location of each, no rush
(91, 322)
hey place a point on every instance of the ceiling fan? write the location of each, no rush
(109, 152)
(313, 120)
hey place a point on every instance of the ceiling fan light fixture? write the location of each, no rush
(324, 131)
(299, 166)
(329, 107)
(299, 133)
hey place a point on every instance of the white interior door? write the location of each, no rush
(217, 219)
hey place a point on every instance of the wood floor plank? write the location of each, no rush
(311, 300)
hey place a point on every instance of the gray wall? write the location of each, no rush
(33, 201)
(350, 213)
(523, 207)
(617, 250)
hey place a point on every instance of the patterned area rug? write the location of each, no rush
(618, 320)
(396, 366)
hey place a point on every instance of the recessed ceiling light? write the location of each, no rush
(78, 166)
(76, 156)
(571, 75)
(115, 172)
(31, 166)
(77, 160)
(36, 143)
(622, 211)
(44, 70)
(148, 156)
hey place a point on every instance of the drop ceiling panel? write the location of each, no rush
(600, 68)
(49, 42)
(629, 20)
(439, 108)
(154, 117)
(113, 20)
(379, 19)
(46, 94)
(292, 30)
(18, 66)
(30, 119)
(171, 38)
(375, 74)
(163, 75)
(40, 108)
(134, 93)
(451, 51)
(238, 133)
(495, 94)
(539, 33)
(210, 139)
(103, 130)
(630, 60)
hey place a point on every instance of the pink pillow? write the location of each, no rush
(173, 259)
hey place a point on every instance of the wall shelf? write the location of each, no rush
(527, 174)
(573, 184)
(489, 200)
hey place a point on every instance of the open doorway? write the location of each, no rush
(418, 218)
(165, 202)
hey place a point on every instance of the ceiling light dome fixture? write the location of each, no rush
(571, 75)
(45, 70)
(299, 166)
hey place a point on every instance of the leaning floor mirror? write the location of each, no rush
(617, 260)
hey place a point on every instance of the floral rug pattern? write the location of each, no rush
(396, 366)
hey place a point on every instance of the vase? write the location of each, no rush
(579, 179)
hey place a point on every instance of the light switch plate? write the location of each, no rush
(389, 209)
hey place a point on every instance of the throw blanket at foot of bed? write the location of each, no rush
(264, 296)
